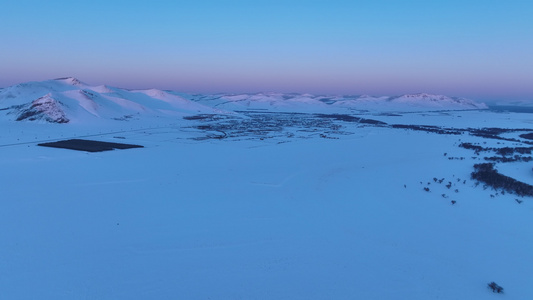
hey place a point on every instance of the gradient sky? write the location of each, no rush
(478, 49)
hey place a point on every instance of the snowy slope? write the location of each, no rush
(82, 103)
(44, 108)
(437, 102)
(321, 103)
(314, 210)
(263, 101)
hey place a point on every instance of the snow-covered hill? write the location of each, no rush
(45, 108)
(437, 101)
(320, 103)
(67, 100)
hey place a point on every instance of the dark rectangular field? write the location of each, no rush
(88, 145)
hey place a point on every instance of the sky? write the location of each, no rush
(477, 49)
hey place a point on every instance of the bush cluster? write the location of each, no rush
(486, 173)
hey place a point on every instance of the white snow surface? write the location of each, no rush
(321, 211)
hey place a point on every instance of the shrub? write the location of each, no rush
(495, 287)
(486, 173)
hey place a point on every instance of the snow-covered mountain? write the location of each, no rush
(66, 100)
(45, 108)
(265, 101)
(318, 103)
(437, 101)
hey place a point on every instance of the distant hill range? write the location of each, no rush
(68, 100)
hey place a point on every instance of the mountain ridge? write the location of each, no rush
(68, 99)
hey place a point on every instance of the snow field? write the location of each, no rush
(307, 219)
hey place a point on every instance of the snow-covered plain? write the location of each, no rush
(263, 204)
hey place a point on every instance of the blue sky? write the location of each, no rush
(477, 49)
